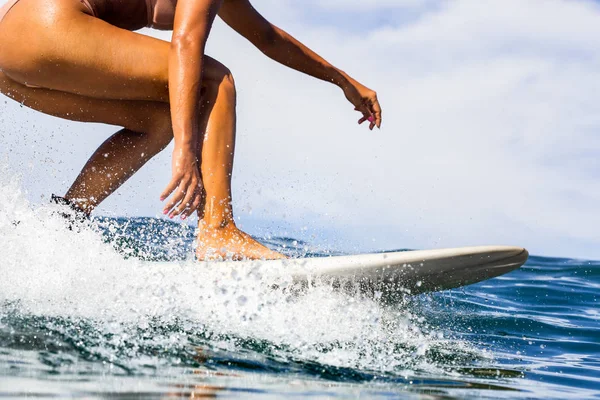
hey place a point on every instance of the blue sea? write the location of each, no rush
(120, 310)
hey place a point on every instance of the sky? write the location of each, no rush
(489, 136)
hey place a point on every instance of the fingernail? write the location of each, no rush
(162, 198)
(371, 119)
(165, 212)
(171, 216)
(183, 217)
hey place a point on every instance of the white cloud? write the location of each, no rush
(490, 129)
(367, 5)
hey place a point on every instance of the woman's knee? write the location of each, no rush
(224, 89)
(228, 83)
(218, 77)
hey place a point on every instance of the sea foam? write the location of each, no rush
(74, 277)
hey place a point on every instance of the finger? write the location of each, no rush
(376, 108)
(368, 116)
(195, 202)
(363, 109)
(190, 191)
(371, 120)
(177, 196)
(194, 206)
(169, 189)
(187, 201)
(190, 209)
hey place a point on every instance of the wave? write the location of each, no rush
(125, 297)
(99, 293)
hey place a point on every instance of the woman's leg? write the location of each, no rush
(111, 165)
(218, 236)
(106, 66)
(56, 44)
(147, 130)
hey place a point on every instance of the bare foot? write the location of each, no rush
(225, 243)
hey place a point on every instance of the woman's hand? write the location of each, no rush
(364, 101)
(186, 185)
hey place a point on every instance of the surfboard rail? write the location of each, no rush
(388, 275)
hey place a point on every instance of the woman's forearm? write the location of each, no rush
(283, 48)
(192, 25)
(185, 77)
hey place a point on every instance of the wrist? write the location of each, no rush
(185, 138)
(342, 80)
(185, 147)
(184, 155)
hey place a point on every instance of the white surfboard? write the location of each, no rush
(392, 274)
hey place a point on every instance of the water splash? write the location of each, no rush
(91, 293)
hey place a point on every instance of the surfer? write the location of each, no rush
(81, 60)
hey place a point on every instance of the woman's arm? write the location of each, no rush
(193, 21)
(283, 48)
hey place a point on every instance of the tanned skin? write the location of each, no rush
(156, 91)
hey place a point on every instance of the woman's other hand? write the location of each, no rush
(364, 101)
(185, 185)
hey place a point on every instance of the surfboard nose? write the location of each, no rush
(520, 255)
(466, 269)
(451, 268)
(504, 260)
(409, 272)
(511, 256)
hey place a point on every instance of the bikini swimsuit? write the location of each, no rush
(160, 13)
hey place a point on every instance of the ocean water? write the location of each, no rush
(120, 310)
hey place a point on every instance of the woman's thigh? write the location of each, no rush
(56, 44)
(151, 117)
